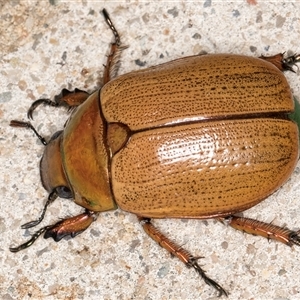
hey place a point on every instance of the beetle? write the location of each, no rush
(204, 136)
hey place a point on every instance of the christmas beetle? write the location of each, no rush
(204, 136)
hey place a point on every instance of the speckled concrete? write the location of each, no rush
(49, 45)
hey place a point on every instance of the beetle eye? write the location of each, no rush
(55, 135)
(63, 192)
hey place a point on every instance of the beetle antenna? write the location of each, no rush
(52, 196)
(15, 123)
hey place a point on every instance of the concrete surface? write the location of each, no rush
(49, 45)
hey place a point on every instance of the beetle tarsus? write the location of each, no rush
(65, 98)
(52, 196)
(295, 238)
(31, 241)
(193, 263)
(289, 62)
(112, 27)
(38, 102)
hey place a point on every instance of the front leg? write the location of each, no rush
(71, 226)
(66, 98)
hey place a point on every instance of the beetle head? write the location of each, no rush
(52, 173)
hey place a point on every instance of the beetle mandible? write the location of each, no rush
(204, 136)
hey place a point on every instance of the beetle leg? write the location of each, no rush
(71, 226)
(52, 196)
(290, 61)
(113, 59)
(66, 99)
(187, 258)
(281, 62)
(269, 231)
(31, 241)
(74, 98)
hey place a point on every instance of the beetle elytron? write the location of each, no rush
(203, 136)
